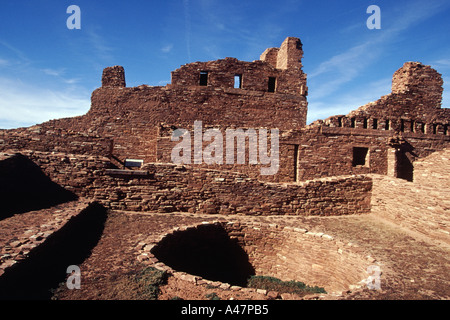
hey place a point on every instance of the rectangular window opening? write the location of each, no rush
(353, 122)
(203, 78)
(375, 124)
(238, 81)
(340, 122)
(295, 163)
(133, 163)
(272, 84)
(365, 123)
(421, 127)
(402, 125)
(413, 126)
(360, 156)
(446, 129)
(434, 128)
(388, 125)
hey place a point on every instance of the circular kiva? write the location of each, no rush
(231, 252)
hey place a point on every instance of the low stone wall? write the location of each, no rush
(18, 248)
(434, 171)
(416, 207)
(171, 188)
(50, 138)
(297, 254)
(74, 172)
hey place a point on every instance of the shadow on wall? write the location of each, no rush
(24, 187)
(45, 268)
(206, 251)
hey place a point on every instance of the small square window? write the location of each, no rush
(360, 156)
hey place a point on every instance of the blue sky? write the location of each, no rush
(48, 71)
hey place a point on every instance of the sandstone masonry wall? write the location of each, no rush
(50, 138)
(300, 255)
(329, 151)
(17, 249)
(170, 188)
(416, 207)
(434, 171)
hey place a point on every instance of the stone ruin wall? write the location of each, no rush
(413, 106)
(434, 170)
(137, 122)
(411, 114)
(54, 139)
(328, 151)
(409, 120)
(421, 206)
(129, 119)
(170, 188)
(300, 255)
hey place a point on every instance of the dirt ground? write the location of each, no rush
(413, 267)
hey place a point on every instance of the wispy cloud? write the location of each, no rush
(166, 49)
(53, 72)
(330, 76)
(351, 100)
(187, 21)
(100, 47)
(442, 63)
(60, 75)
(24, 104)
(446, 93)
(20, 57)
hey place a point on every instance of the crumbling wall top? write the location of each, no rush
(417, 77)
(113, 77)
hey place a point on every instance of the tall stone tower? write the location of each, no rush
(288, 59)
(114, 77)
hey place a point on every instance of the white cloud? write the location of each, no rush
(167, 49)
(101, 48)
(24, 105)
(59, 74)
(187, 27)
(342, 105)
(327, 80)
(342, 68)
(53, 72)
(442, 63)
(446, 93)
